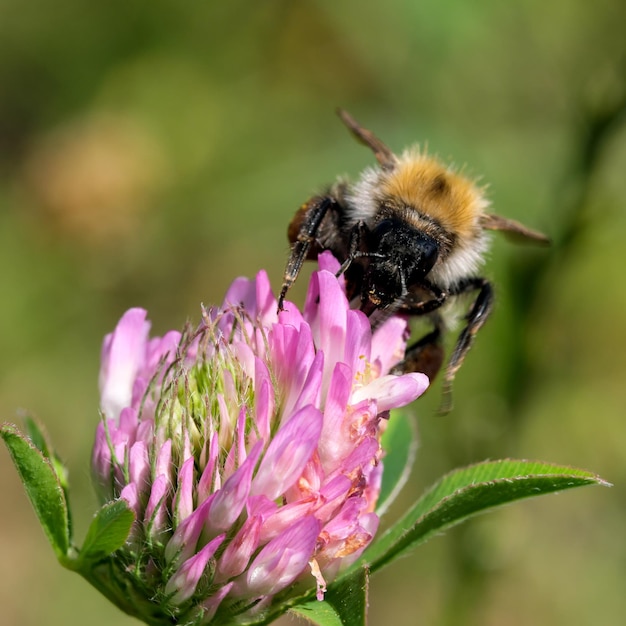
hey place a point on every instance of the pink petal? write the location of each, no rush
(130, 494)
(266, 303)
(120, 441)
(156, 517)
(264, 401)
(242, 292)
(128, 422)
(211, 604)
(392, 392)
(332, 496)
(356, 458)
(293, 354)
(101, 460)
(329, 327)
(162, 467)
(348, 532)
(290, 315)
(309, 482)
(206, 480)
(237, 555)
(311, 389)
(123, 356)
(389, 343)
(261, 506)
(231, 498)
(284, 517)
(358, 341)
(162, 348)
(244, 356)
(145, 431)
(288, 453)
(139, 466)
(237, 453)
(369, 523)
(327, 261)
(184, 494)
(185, 538)
(346, 520)
(184, 582)
(283, 559)
(336, 403)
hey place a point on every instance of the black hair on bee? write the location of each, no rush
(410, 237)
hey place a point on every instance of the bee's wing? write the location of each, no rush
(490, 221)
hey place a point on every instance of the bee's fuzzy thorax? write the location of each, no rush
(420, 186)
(423, 183)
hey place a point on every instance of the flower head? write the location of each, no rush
(248, 448)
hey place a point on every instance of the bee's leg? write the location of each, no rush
(476, 317)
(427, 354)
(302, 233)
(357, 235)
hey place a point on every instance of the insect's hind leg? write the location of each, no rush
(476, 318)
(425, 356)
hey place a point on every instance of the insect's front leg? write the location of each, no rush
(357, 235)
(303, 232)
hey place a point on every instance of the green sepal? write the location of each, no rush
(344, 604)
(466, 492)
(43, 487)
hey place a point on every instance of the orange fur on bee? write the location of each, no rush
(426, 185)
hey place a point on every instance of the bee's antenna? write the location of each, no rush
(383, 154)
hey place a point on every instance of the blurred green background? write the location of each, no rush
(151, 152)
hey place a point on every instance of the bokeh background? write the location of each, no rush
(151, 152)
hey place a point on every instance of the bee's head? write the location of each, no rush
(400, 256)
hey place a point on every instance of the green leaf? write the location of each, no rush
(345, 602)
(42, 486)
(40, 438)
(317, 612)
(400, 445)
(466, 492)
(37, 434)
(108, 531)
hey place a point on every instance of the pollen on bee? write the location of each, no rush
(426, 185)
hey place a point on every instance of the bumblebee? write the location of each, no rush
(411, 236)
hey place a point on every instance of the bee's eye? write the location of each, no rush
(384, 227)
(428, 247)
